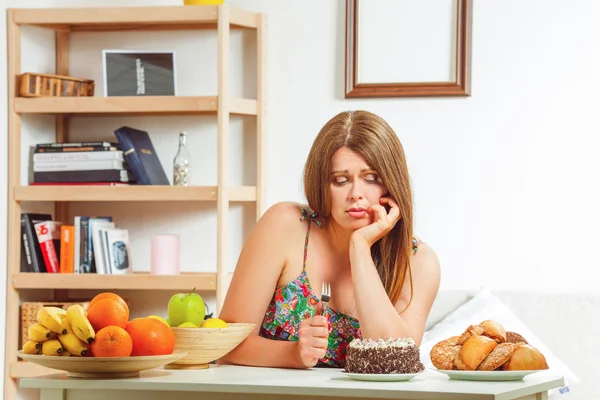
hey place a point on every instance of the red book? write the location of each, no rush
(48, 233)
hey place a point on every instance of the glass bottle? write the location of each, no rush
(181, 163)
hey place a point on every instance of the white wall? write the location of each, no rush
(505, 181)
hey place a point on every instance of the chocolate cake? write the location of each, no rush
(383, 356)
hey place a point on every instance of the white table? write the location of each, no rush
(228, 382)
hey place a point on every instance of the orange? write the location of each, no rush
(107, 312)
(150, 337)
(108, 295)
(112, 341)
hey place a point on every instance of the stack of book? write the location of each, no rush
(88, 245)
(85, 163)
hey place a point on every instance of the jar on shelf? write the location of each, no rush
(181, 163)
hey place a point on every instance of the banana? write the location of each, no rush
(80, 324)
(52, 347)
(71, 342)
(32, 347)
(50, 318)
(66, 354)
(38, 332)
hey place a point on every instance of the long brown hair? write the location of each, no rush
(370, 136)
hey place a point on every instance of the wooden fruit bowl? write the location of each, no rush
(205, 345)
(101, 367)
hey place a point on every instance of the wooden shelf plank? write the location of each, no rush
(24, 369)
(129, 193)
(115, 193)
(136, 281)
(118, 105)
(243, 18)
(130, 105)
(242, 193)
(244, 106)
(115, 17)
(131, 18)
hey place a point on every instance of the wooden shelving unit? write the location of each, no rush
(64, 22)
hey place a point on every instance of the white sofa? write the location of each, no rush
(568, 324)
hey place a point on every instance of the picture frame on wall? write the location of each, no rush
(139, 73)
(401, 48)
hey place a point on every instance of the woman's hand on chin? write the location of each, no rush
(381, 223)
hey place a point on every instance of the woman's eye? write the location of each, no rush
(340, 180)
(371, 178)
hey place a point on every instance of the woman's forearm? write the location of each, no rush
(377, 315)
(257, 351)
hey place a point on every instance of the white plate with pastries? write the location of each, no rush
(486, 375)
(487, 352)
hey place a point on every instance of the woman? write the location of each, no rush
(361, 242)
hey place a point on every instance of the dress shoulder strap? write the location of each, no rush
(309, 216)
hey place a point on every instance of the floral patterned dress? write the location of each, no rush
(296, 301)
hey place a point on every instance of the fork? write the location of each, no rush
(325, 293)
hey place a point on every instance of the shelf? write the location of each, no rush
(130, 193)
(136, 281)
(131, 105)
(24, 369)
(132, 18)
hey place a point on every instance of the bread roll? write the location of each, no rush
(443, 353)
(513, 337)
(494, 330)
(501, 354)
(473, 351)
(526, 358)
(470, 331)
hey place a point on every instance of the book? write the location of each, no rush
(91, 165)
(141, 156)
(95, 248)
(48, 233)
(102, 175)
(76, 144)
(40, 150)
(59, 183)
(78, 156)
(119, 251)
(67, 248)
(32, 259)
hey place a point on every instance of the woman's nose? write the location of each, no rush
(356, 193)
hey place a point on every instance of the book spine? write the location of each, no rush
(26, 256)
(44, 234)
(76, 244)
(78, 156)
(76, 144)
(43, 150)
(78, 166)
(103, 175)
(37, 259)
(84, 261)
(67, 233)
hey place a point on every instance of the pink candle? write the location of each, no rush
(164, 254)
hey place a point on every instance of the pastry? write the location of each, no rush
(501, 354)
(383, 356)
(443, 353)
(513, 337)
(473, 351)
(494, 330)
(524, 358)
(470, 331)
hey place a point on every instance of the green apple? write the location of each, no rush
(186, 307)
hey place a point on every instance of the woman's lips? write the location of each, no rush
(357, 213)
